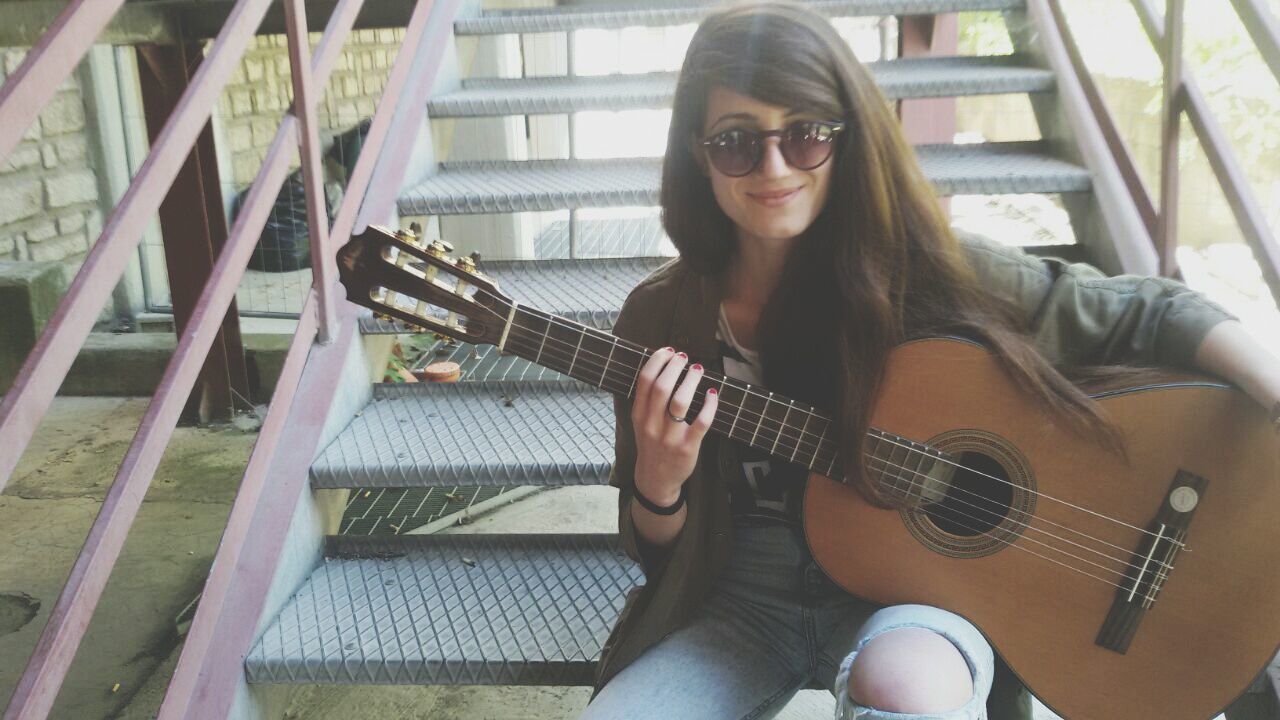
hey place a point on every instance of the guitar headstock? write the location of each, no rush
(398, 274)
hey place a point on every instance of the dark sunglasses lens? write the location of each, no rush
(807, 145)
(734, 152)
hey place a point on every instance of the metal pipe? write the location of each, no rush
(46, 66)
(304, 109)
(1167, 238)
(48, 363)
(1264, 30)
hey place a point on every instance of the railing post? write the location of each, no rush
(194, 226)
(1167, 238)
(304, 109)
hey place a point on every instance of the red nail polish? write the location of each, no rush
(696, 366)
(712, 391)
(668, 349)
(682, 356)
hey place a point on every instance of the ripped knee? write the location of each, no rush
(910, 670)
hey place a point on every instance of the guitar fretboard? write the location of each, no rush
(780, 426)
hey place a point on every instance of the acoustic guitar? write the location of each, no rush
(1133, 584)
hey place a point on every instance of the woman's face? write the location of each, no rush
(775, 202)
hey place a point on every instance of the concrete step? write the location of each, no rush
(898, 79)
(473, 433)
(589, 291)
(580, 17)
(450, 609)
(507, 186)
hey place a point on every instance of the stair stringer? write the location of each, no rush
(1105, 220)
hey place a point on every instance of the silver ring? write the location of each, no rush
(674, 418)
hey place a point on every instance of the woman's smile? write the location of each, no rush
(774, 198)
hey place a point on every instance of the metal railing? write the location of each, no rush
(1182, 95)
(322, 335)
(234, 594)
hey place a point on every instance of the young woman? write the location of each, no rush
(810, 245)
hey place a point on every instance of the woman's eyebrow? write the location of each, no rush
(749, 116)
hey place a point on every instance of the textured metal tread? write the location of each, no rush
(450, 609)
(588, 290)
(898, 79)
(578, 17)
(506, 186)
(476, 433)
(605, 238)
(483, 363)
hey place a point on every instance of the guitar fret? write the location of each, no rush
(738, 414)
(607, 361)
(807, 417)
(573, 361)
(763, 411)
(546, 330)
(635, 375)
(785, 415)
(832, 466)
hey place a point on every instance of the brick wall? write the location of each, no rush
(261, 90)
(48, 191)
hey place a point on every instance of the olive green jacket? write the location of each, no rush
(1077, 315)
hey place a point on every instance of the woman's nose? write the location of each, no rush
(772, 164)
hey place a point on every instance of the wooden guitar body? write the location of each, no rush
(1036, 560)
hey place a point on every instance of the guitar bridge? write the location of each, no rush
(1151, 564)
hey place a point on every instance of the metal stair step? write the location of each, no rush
(506, 186)
(604, 238)
(579, 17)
(898, 79)
(450, 609)
(589, 290)
(483, 363)
(473, 433)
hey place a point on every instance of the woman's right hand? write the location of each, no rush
(666, 449)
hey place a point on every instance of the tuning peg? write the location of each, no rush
(410, 235)
(467, 264)
(439, 250)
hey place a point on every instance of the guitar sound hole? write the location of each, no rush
(977, 500)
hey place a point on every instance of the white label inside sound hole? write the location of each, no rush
(1184, 499)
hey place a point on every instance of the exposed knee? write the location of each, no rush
(910, 670)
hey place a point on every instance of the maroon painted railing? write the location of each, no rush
(236, 590)
(1183, 95)
(21, 98)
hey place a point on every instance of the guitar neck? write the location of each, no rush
(780, 426)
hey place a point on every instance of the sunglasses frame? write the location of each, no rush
(835, 126)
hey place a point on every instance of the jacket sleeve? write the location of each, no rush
(630, 325)
(1079, 316)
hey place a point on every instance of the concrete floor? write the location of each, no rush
(129, 652)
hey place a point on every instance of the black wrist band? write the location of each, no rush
(656, 509)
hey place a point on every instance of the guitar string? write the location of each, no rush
(800, 442)
(601, 335)
(605, 369)
(1025, 525)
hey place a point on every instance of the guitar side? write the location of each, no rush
(1040, 577)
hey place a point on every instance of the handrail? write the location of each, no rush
(235, 593)
(46, 65)
(1264, 30)
(1226, 168)
(47, 365)
(37, 689)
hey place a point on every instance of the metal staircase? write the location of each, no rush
(535, 609)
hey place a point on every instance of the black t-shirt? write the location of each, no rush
(766, 486)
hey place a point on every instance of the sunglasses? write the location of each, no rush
(805, 145)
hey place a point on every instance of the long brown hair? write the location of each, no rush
(880, 257)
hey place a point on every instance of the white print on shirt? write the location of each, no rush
(768, 495)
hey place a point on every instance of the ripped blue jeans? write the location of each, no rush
(774, 625)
